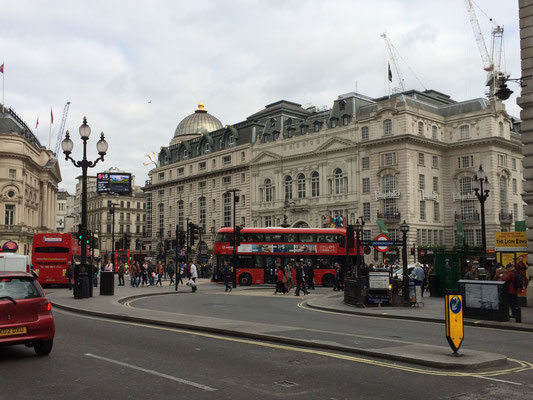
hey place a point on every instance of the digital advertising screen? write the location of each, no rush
(109, 182)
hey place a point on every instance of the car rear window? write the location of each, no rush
(19, 288)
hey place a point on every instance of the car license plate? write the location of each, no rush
(13, 331)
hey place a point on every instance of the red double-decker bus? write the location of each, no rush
(51, 253)
(262, 250)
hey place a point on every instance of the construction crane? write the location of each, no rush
(61, 129)
(491, 63)
(394, 55)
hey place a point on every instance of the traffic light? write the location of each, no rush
(126, 241)
(238, 235)
(181, 239)
(412, 251)
(88, 238)
(350, 239)
(194, 233)
(80, 234)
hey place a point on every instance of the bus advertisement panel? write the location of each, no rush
(262, 250)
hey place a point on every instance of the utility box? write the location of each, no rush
(107, 283)
(448, 270)
(486, 300)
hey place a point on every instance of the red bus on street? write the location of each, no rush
(262, 250)
(51, 253)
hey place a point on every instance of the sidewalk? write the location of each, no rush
(114, 307)
(432, 310)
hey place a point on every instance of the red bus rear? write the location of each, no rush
(262, 250)
(51, 253)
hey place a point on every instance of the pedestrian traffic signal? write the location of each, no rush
(88, 238)
(80, 234)
(350, 239)
(412, 251)
(194, 233)
(238, 235)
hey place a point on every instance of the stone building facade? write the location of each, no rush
(65, 212)
(29, 178)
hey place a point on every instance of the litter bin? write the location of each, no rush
(107, 283)
(433, 285)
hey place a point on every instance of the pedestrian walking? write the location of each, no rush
(310, 275)
(159, 272)
(514, 283)
(134, 270)
(193, 274)
(419, 275)
(281, 284)
(339, 278)
(121, 272)
(144, 274)
(227, 276)
(300, 279)
(180, 273)
(171, 270)
(288, 276)
(151, 273)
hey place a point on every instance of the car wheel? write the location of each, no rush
(245, 280)
(327, 280)
(43, 348)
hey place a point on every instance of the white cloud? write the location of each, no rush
(110, 58)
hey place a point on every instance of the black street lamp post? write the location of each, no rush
(482, 186)
(235, 233)
(404, 228)
(82, 283)
(358, 228)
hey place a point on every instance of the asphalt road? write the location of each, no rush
(284, 310)
(102, 359)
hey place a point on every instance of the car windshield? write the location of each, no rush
(19, 288)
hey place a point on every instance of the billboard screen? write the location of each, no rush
(107, 182)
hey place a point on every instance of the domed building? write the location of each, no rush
(196, 124)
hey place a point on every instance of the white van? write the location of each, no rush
(14, 262)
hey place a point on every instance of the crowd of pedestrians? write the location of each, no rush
(304, 274)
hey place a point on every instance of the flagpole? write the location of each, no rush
(3, 86)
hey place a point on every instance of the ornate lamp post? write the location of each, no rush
(482, 186)
(404, 228)
(82, 283)
(358, 229)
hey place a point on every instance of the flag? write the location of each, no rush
(37, 124)
(51, 116)
(2, 69)
(390, 73)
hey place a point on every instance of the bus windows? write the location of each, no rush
(306, 238)
(291, 238)
(340, 240)
(224, 237)
(250, 262)
(51, 249)
(273, 237)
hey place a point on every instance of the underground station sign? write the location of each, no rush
(454, 320)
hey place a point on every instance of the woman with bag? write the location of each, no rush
(281, 281)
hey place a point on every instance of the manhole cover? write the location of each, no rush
(286, 384)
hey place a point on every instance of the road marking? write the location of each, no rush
(498, 380)
(149, 371)
(522, 365)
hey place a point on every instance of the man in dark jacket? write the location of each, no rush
(509, 277)
(310, 275)
(300, 279)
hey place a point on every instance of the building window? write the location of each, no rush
(202, 166)
(421, 128)
(315, 184)
(202, 185)
(513, 164)
(435, 161)
(515, 186)
(515, 211)
(268, 221)
(243, 156)
(365, 161)
(436, 213)
(339, 181)
(226, 180)
(387, 127)
(161, 218)
(421, 159)
(501, 128)
(287, 187)
(465, 161)
(226, 201)
(301, 186)
(12, 174)
(10, 215)
(181, 211)
(345, 120)
(503, 194)
(333, 122)
(502, 160)
(366, 185)
(389, 183)
(421, 181)
(203, 212)
(226, 159)
(388, 159)
(243, 177)
(231, 141)
(206, 148)
(434, 132)
(364, 133)
(464, 132)
(436, 184)
(303, 129)
(316, 127)
(366, 212)
(161, 176)
(422, 210)
(181, 171)
(268, 190)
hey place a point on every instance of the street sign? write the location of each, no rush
(382, 247)
(454, 320)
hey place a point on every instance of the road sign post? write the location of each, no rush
(454, 320)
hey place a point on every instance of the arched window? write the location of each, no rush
(464, 131)
(421, 128)
(301, 186)
(387, 127)
(503, 194)
(364, 133)
(315, 184)
(231, 140)
(206, 148)
(434, 132)
(339, 181)
(184, 154)
(268, 190)
(287, 186)
(316, 126)
(501, 128)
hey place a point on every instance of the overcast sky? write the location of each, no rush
(110, 58)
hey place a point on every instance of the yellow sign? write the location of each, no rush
(510, 241)
(454, 320)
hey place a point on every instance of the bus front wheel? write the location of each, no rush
(327, 280)
(245, 280)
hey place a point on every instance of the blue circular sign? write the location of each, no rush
(455, 304)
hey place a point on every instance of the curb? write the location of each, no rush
(467, 322)
(278, 339)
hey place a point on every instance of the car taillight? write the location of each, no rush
(46, 306)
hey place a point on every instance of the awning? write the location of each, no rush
(382, 226)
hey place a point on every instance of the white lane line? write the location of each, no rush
(149, 371)
(496, 380)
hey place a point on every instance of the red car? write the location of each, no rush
(25, 313)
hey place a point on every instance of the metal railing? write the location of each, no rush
(467, 217)
(389, 215)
